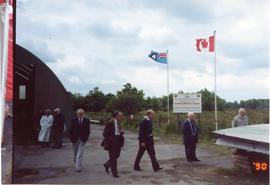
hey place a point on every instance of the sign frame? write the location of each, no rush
(187, 102)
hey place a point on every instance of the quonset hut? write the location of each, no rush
(36, 88)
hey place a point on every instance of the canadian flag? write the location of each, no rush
(202, 44)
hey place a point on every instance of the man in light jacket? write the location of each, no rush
(241, 119)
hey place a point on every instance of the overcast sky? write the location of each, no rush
(90, 43)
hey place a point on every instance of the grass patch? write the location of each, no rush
(172, 133)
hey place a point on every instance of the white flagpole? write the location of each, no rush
(168, 88)
(215, 77)
(4, 62)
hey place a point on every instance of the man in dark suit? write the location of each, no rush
(190, 137)
(57, 128)
(78, 133)
(146, 142)
(113, 135)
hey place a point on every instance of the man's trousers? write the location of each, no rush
(152, 154)
(78, 154)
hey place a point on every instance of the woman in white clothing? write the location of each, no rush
(46, 122)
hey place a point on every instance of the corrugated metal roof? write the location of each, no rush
(257, 133)
(254, 138)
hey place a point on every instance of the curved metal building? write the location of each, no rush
(36, 88)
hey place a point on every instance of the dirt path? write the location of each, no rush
(47, 166)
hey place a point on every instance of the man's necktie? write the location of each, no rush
(193, 128)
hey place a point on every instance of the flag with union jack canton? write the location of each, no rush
(159, 57)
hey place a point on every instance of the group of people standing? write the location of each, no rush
(51, 128)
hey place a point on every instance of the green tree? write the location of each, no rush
(78, 100)
(110, 103)
(129, 100)
(96, 100)
(164, 102)
(153, 103)
(208, 101)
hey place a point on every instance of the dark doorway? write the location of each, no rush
(24, 97)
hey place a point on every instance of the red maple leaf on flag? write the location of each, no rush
(205, 43)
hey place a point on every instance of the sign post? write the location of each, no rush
(187, 102)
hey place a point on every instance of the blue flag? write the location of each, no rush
(159, 57)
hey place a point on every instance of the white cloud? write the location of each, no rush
(106, 44)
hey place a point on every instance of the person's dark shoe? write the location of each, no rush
(196, 160)
(158, 169)
(138, 169)
(189, 160)
(116, 176)
(106, 168)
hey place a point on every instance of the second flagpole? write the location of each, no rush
(215, 79)
(168, 88)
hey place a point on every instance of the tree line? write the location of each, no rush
(130, 100)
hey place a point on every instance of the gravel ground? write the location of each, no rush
(33, 164)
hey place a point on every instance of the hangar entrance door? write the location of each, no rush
(24, 128)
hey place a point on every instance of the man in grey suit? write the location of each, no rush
(190, 137)
(78, 133)
(241, 119)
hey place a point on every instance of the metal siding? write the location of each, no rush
(259, 132)
(49, 91)
(253, 138)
